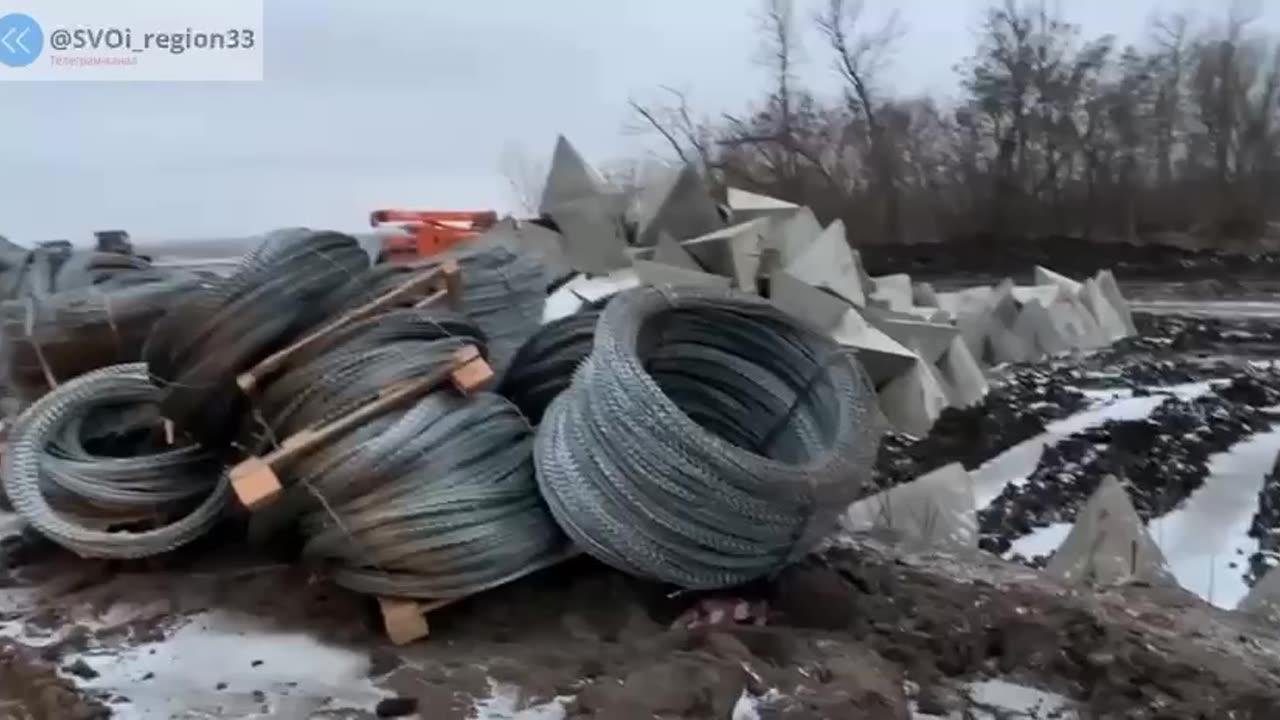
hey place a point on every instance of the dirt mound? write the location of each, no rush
(1073, 256)
(1133, 652)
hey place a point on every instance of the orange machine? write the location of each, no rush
(429, 232)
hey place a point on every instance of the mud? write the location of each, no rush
(1161, 459)
(861, 633)
(1016, 409)
(1265, 527)
(1072, 256)
(1131, 652)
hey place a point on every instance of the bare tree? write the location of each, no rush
(1054, 132)
(860, 57)
(673, 120)
(525, 178)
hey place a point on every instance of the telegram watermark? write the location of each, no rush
(131, 40)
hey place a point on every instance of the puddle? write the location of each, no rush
(1209, 532)
(503, 703)
(1019, 461)
(227, 665)
(1009, 701)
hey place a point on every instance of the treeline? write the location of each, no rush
(1053, 133)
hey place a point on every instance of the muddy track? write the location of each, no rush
(1015, 410)
(1162, 459)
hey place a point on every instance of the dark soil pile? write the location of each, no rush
(1265, 527)
(1015, 410)
(33, 684)
(1182, 334)
(1133, 652)
(1161, 459)
(1072, 256)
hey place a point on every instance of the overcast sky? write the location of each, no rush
(413, 103)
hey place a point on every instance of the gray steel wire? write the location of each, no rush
(503, 291)
(275, 296)
(435, 501)
(543, 367)
(56, 483)
(329, 380)
(707, 440)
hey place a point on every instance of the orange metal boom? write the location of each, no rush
(430, 232)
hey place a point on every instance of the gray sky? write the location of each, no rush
(412, 103)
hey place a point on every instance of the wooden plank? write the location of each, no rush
(445, 277)
(256, 481)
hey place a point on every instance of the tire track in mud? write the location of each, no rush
(1162, 459)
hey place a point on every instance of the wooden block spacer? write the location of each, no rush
(406, 620)
(421, 290)
(255, 480)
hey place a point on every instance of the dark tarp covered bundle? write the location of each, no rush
(67, 312)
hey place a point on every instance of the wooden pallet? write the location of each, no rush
(422, 289)
(255, 480)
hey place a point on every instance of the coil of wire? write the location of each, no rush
(543, 366)
(276, 294)
(707, 440)
(91, 454)
(503, 291)
(437, 500)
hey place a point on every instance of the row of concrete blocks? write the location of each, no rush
(1107, 545)
(923, 350)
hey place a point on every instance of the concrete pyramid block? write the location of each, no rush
(923, 295)
(541, 243)
(1072, 323)
(1106, 282)
(936, 511)
(594, 240)
(682, 207)
(969, 308)
(670, 252)
(569, 179)
(1037, 328)
(733, 252)
(881, 356)
(867, 281)
(819, 308)
(894, 291)
(912, 401)
(1263, 599)
(790, 235)
(1045, 276)
(929, 340)
(829, 263)
(1108, 545)
(965, 383)
(1002, 303)
(965, 302)
(1044, 294)
(653, 273)
(1005, 344)
(750, 206)
(1109, 320)
(1093, 335)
